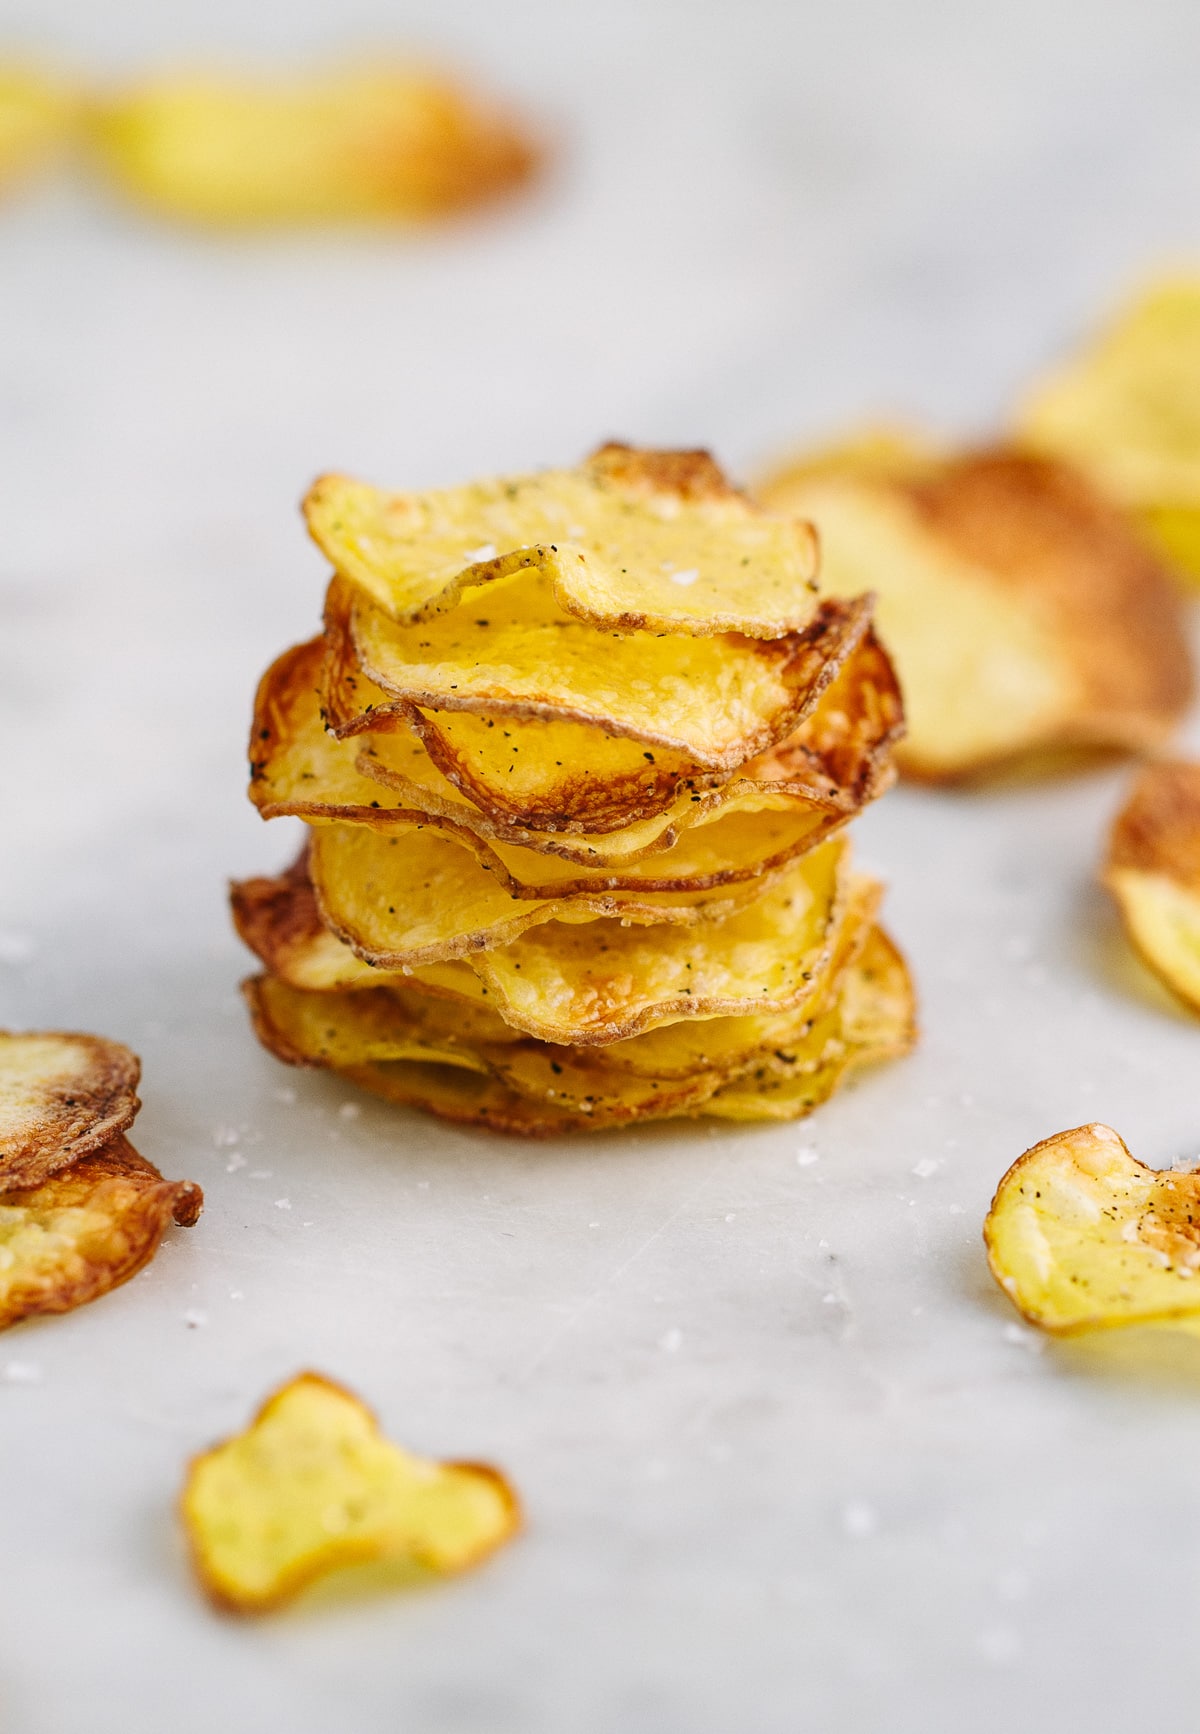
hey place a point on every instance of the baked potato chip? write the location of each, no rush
(311, 1486)
(1127, 411)
(303, 1028)
(1082, 1236)
(630, 541)
(77, 1234)
(62, 1096)
(369, 142)
(1153, 871)
(1024, 615)
(38, 114)
(713, 701)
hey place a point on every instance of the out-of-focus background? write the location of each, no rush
(789, 1461)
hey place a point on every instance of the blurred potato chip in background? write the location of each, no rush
(39, 116)
(1025, 616)
(1082, 1236)
(1126, 409)
(385, 141)
(1153, 871)
(312, 1487)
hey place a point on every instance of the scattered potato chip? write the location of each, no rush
(1024, 616)
(312, 1486)
(370, 142)
(1082, 1236)
(75, 1235)
(630, 541)
(1153, 871)
(1127, 411)
(716, 701)
(37, 116)
(62, 1096)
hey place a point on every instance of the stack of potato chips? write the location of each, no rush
(577, 751)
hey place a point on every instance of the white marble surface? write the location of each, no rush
(790, 1461)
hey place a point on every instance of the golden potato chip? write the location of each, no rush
(37, 116)
(75, 1235)
(62, 1096)
(1153, 871)
(1023, 614)
(715, 701)
(312, 1486)
(630, 541)
(1127, 410)
(873, 1018)
(1080, 1235)
(369, 142)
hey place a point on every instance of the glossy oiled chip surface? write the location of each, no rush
(61, 1096)
(1081, 1235)
(380, 141)
(716, 701)
(1153, 871)
(312, 1485)
(1023, 613)
(83, 1231)
(37, 114)
(1127, 409)
(630, 540)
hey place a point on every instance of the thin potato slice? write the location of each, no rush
(629, 541)
(312, 1486)
(62, 1096)
(872, 1019)
(1023, 614)
(1081, 1236)
(303, 1028)
(1153, 871)
(74, 1236)
(1127, 411)
(372, 142)
(38, 114)
(421, 896)
(715, 701)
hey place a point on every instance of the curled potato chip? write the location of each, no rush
(1080, 1235)
(370, 142)
(75, 1235)
(38, 114)
(1153, 871)
(1127, 411)
(312, 1486)
(306, 1028)
(629, 541)
(1024, 615)
(62, 1096)
(715, 701)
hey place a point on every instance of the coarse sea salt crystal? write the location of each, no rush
(926, 1168)
(486, 551)
(194, 1318)
(806, 1155)
(688, 576)
(859, 1519)
(671, 1341)
(236, 1161)
(283, 1204)
(22, 1373)
(349, 1111)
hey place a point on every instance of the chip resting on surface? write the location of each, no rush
(1153, 871)
(82, 1231)
(311, 1487)
(376, 143)
(1081, 1236)
(1025, 617)
(1127, 410)
(629, 541)
(62, 1096)
(38, 114)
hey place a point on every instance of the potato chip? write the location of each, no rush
(630, 541)
(1023, 614)
(62, 1096)
(312, 1486)
(1127, 411)
(368, 142)
(75, 1235)
(1082, 1236)
(714, 701)
(1153, 871)
(37, 116)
